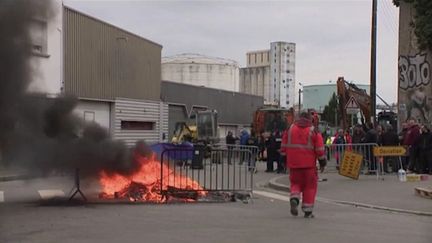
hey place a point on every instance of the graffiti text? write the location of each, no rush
(413, 71)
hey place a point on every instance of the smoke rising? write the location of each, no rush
(39, 133)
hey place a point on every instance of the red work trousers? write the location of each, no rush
(304, 183)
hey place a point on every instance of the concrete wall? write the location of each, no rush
(282, 73)
(255, 81)
(200, 70)
(48, 76)
(278, 87)
(415, 88)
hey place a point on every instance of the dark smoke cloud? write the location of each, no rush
(40, 133)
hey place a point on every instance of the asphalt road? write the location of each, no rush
(265, 219)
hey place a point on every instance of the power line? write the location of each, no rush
(392, 18)
(386, 20)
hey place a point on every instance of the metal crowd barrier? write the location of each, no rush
(335, 153)
(224, 168)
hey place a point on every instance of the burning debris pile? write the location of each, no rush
(146, 183)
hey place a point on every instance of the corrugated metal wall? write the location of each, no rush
(104, 62)
(233, 107)
(139, 110)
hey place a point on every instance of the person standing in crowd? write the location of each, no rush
(271, 146)
(282, 154)
(230, 142)
(244, 137)
(261, 147)
(280, 166)
(252, 143)
(303, 147)
(370, 138)
(401, 136)
(338, 144)
(327, 141)
(348, 139)
(390, 138)
(358, 134)
(423, 144)
(411, 135)
(357, 138)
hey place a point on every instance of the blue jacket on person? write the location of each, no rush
(244, 137)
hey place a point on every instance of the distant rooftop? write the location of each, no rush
(198, 58)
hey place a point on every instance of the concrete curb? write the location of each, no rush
(278, 186)
(281, 187)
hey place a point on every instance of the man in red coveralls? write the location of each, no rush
(303, 146)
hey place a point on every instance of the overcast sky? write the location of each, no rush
(332, 37)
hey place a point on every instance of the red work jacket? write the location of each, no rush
(302, 145)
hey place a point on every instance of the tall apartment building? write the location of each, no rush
(271, 74)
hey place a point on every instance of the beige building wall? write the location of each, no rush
(258, 58)
(255, 80)
(102, 61)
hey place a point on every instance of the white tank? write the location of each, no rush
(200, 70)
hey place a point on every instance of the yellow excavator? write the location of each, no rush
(203, 129)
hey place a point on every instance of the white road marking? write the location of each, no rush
(47, 194)
(272, 195)
(1, 196)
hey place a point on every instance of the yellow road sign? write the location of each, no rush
(351, 165)
(389, 151)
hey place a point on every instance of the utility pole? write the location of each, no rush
(373, 62)
(299, 111)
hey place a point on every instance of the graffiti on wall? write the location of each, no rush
(415, 92)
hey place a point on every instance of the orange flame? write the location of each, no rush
(145, 183)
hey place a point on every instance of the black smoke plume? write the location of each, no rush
(40, 133)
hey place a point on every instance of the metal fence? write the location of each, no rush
(200, 170)
(335, 153)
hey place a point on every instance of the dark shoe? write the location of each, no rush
(309, 215)
(294, 204)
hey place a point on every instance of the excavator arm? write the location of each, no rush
(347, 90)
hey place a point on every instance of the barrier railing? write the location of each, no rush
(335, 153)
(228, 168)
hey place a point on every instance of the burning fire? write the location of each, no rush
(145, 183)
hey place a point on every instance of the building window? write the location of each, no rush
(249, 58)
(262, 57)
(38, 37)
(137, 125)
(89, 116)
(255, 58)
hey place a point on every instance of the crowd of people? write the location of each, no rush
(417, 138)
